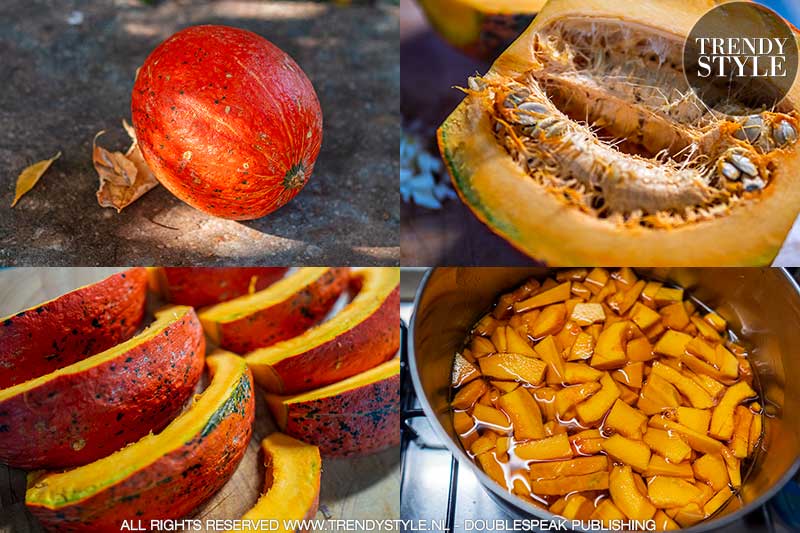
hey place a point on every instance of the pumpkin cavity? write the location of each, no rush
(605, 120)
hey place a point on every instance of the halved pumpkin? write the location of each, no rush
(291, 485)
(162, 476)
(71, 327)
(96, 406)
(362, 335)
(480, 28)
(524, 154)
(356, 416)
(281, 311)
(202, 286)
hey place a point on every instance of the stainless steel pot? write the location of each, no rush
(762, 304)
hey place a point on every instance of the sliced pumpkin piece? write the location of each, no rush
(547, 350)
(717, 501)
(164, 475)
(549, 321)
(659, 466)
(595, 408)
(513, 366)
(726, 362)
(64, 330)
(463, 371)
(670, 446)
(672, 343)
(557, 294)
(524, 413)
(281, 311)
(607, 513)
(572, 467)
(568, 397)
(626, 494)
(643, 316)
(202, 286)
(569, 484)
(467, 395)
(626, 420)
(697, 419)
(586, 314)
(582, 348)
(609, 352)
(355, 416)
(666, 492)
(696, 394)
(549, 448)
(631, 452)
(696, 440)
(580, 373)
(293, 470)
(360, 336)
(91, 408)
(722, 420)
(711, 468)
(493, 468)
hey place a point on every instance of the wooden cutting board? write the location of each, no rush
(361, 488)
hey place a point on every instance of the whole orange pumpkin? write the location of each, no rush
(227, 121)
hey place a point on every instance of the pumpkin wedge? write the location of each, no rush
(356, 416)
(162, 476)
(361, 336)
(281, 311)
(522, 151)
(292, 483)
(202, 286)
(480, 28)
(71, 327)
(96, 406)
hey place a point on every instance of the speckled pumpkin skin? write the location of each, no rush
(81, 323)
(357, 422)
(202, 286)
(227, 121)
(75, 419)
(368, 344)
(288, 318)
(175, 485)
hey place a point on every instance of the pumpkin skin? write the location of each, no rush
(96, 406)
(480, 28)
(71, 327)
(227, 121)
(202, 286)
(362, 335)
(281, 311)
(503, 197)
(292, 482)
(356, 416)
(163, 476)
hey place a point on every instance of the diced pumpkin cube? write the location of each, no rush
(701, 367)
(556, 294)
(568, 484)
(697, 419)
(716, 321)
(706, 330)
(659, 466)
(668, 492)
(501, 447)
(626, 494)
(484, 443)
(702, 349)
(566, 337)
(596, 279)
(722, 417)
(711, 468)
(580, 373)
(755, 428)
(656, 395)
(664, 522)
(621, 302)
(582, 348)
(513, 367)
(585, 314)
(696, 440)
(491, 418)
(734, 466)
(674, 316)
(670, 446)
(571, 467)
(607, 512)
(516, 344)
(650, 291)
(726, 362)
(667, 295)
(469, 394)
(549, 321)
(504, 386)
(572, 274)
(639, 349)
(609, 352)
(568, 397)
(491, 465)
(717, 501)
(546, 398)
(631, 374)
(549, 448)
(587, 442)
(580, 290)
(592, 410)
(578, 508)
(486, 325)
(627, 394)
(524, 413)
(463, 371)
(480, 346)
(631, 452)
(626, 420)
(672, 343)
(742, 419)
(547, 350)
(698, 397)
(689, 515)
(643, 316)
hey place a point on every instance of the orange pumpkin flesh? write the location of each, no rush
(162, 476)
(523, 211)
(292, 482)
(202, 286)
(356, 416)
(227, 121)
(361, 336)
(279, 312)
(92, 408)
(71, 327)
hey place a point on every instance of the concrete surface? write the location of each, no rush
(62, 82)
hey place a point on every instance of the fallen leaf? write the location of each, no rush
(123, 177)
(30, 176)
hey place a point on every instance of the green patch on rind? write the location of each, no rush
(236, 403)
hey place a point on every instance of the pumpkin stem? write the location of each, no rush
(295, 177)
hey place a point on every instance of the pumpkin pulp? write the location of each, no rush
(229, 382)
(164, 319)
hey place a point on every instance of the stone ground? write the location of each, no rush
(62, 82)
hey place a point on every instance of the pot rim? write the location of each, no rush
(520, 504)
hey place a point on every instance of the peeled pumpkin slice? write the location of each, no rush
(520, 168)
(292, 482)
(362, 335)
(161, 476)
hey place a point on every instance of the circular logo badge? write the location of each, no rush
(741, 53)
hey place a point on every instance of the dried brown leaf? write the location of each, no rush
(123, 177)
(30, 176)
